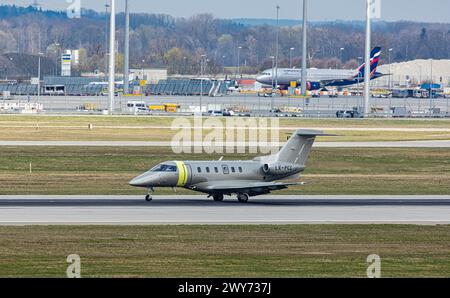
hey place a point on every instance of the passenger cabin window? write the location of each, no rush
(207, 170)
(199, 170)
(233, 170)
(240, 169)
(226, 170)
(164, 168)
(216, 169)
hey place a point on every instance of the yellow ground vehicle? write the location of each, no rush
(169, 108)
(157, 108)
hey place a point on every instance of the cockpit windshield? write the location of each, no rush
(164, 168)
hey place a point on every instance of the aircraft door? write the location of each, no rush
(226, 170)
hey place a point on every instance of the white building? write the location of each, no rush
(416, 72)
(151, 76)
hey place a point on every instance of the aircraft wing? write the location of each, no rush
(326, 83)
(247, 186)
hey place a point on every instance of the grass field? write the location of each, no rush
(6, 120)
(53, 128)
(93, 170)
(166, 135)
(225, 251)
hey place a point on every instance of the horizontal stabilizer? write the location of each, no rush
(312, 133)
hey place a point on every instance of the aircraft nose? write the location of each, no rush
(142, 181)
(264, 79)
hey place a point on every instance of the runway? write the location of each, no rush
(133, 210)
(387, 144)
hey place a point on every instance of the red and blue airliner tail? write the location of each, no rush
(374, 59)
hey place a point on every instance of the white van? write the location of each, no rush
(136, 106)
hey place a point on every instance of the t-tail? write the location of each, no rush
(374, 59)
(297, 149)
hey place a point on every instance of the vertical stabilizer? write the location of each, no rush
(298, 147)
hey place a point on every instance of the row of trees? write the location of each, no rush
(162, 41)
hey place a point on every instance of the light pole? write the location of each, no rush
(431, 85)
(304, 47)
(203, 57)
(391, 82)
(142, 78)
(277, 46)
(273, 71)
(126, 64)
(6, 69)
(340, 57)
(106, 40)
(390, 69)
(367, 60)
(58, 57)
(420, 74)
(239, 63)
(223, 63)
(360, 59)
(290, 57)
(273, 80)
(39, 77)
(112, 56)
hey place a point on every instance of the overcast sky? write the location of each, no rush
(320, 10)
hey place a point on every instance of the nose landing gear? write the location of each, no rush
(149, 196)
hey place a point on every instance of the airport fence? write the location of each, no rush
(323, 107)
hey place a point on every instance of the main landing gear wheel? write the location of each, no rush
(243, 197)
(218, 198)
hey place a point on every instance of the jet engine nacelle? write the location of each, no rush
(282, 168)
(311, 86)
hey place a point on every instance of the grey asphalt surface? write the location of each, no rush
(131, 210)
(395, 144)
